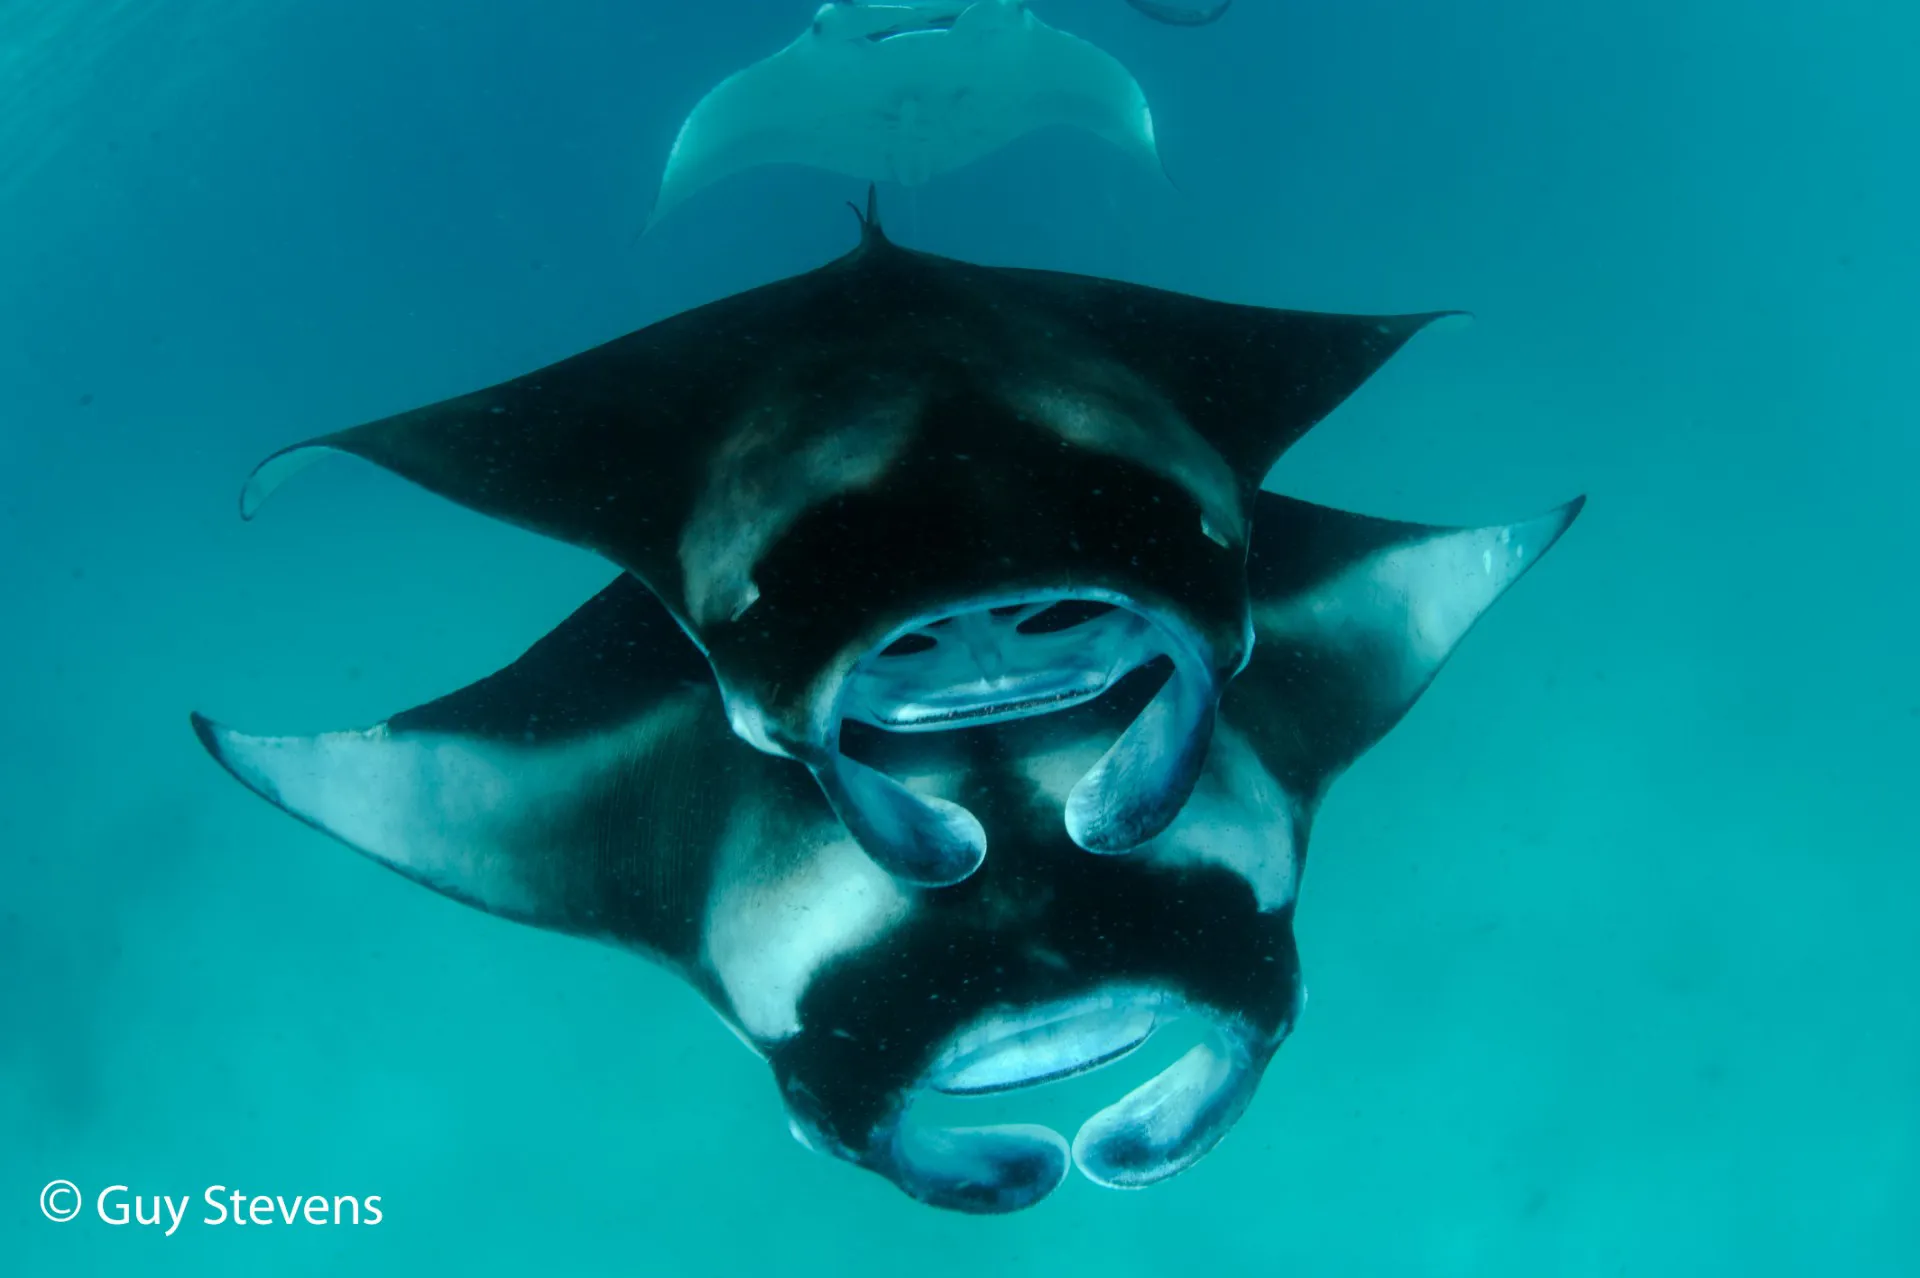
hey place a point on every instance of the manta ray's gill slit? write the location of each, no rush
(908, 645)
(1046, 620)
(1063, 616)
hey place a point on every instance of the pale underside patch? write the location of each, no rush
(464, 815)
(767, 474)
(275, 471)
(776, 921)
(1105, 410)
(1238, 817)
(1401, 612)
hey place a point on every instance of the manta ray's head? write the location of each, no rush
(966, 517)
(996, 567)
(1047, 964)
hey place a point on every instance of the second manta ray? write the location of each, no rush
(594, 788)
(904, 93)
(910, 494)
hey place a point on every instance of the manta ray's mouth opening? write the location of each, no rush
(1007, 661)
(925, 20)
(931, 26)
(1027, 1047)
(1004, 659)
(1155, 1131)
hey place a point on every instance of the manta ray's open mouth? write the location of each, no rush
(1155, 1131)
(1025, 1048)
(931, 26)
(1004, 662)
(921, 19)
(1002, 659)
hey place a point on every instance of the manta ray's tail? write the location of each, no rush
(870, 230)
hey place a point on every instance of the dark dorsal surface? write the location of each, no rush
(614, 448)
(617, 656)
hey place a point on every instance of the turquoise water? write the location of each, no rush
(1609, 944)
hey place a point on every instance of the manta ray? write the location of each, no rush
(904, 93)
(912, 494)
(595, 788)
(1181, 16)
(920, 557)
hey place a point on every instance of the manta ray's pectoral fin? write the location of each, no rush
(482, 451)
(813, 102)
(1250, 380)
(581, 789)
(551, 451)
(1073, 82)
(1353, 618)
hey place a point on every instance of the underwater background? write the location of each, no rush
(1610, 944)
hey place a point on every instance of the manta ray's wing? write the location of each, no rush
(582, 789)
(1057, 79)
(705, 435)
(903, 93)
(684, 450)
(1251, 380)
(1353, 618)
